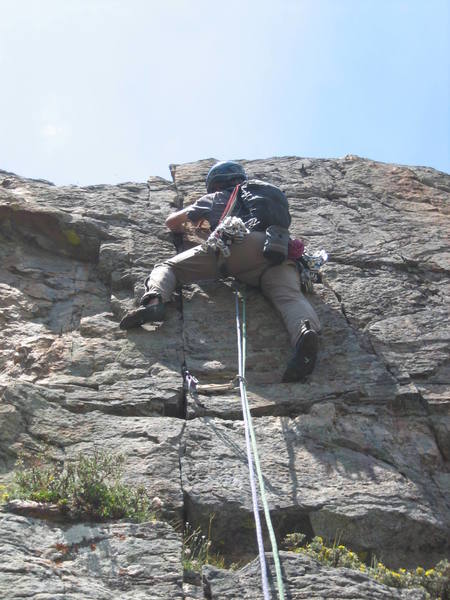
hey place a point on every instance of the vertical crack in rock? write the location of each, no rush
(178, 246)
(339, 299)
(180, 302)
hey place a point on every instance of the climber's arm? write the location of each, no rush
(195, 213)
(175, 221)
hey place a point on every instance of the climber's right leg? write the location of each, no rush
(281, 285)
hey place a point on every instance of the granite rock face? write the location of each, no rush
(361, 452)
(83, 562)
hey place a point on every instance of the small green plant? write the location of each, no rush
(197, 548)
(436, 581)
(4, 496)
(89, 487)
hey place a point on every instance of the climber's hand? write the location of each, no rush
(175, 221)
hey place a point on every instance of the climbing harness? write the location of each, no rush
(253, 460)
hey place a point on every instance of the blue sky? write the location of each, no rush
(103, 91)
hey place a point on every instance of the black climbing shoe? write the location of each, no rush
(143, 314)
(304, 358)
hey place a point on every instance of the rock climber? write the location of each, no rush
(246, 262)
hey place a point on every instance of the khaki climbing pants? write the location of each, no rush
(280, 283)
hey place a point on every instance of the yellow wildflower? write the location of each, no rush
(420, 571)
(429, 573)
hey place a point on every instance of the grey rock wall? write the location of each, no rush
(83, 562)
(360, 453)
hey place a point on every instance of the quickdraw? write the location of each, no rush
(309, 267)
(190, 383)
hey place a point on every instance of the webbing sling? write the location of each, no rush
(230, 204)
(252, 448)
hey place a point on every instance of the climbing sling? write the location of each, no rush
(253, 459)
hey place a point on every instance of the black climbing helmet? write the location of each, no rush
(223, 174)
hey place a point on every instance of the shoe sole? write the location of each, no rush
(131, 321)
(140, 316)
(302, 364)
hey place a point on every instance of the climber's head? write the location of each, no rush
(223, 175)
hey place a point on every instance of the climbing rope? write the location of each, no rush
(252, 455)
(241, 367)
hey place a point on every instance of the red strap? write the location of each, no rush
(230, 203)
